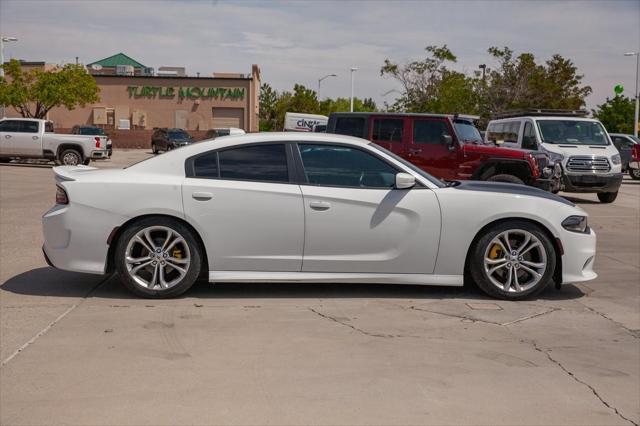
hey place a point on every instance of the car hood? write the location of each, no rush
(508, 188)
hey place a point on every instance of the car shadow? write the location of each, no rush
(50, 282)
(40, 165)
(580, 200)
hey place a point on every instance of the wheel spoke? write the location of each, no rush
(178, 261)
(178, 268)
(524, 244)
(490, 261)
(532, 264)
(140, 266)
(167, 240)
(495, 268)
(144, 244)
(147, 235)
(133, 260)
(154, 279)
(163, 283)
(528, 249)
(516, 283)
(173, 243)
(506, 240)
(535, 274)
(507, 283)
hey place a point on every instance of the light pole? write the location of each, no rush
(3, 40)
(637, 95)
(353, 69)
(483, 67)
(320, 81)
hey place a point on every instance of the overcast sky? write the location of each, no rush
(300, 41)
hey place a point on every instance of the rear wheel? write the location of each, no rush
(607, 197)
(634, 173)
(506, 178)
(154, 148)
(70, 157)
(158, 258)
(513, 260)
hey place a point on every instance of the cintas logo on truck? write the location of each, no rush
(298, 122)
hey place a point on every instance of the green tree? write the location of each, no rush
(268, 99)
(33, 94)
(616, 114)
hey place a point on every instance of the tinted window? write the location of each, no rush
(91, 131)
(259, 162)
(387, 129)
(466, 131)
(177, 134)
(350, 126)
(511, 130)
(429, 131)
(335, 165)
(529, 137)
(30, 127)
(10, 126)
(206, 166)
(572, 132)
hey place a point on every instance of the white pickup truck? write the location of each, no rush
(34, 138)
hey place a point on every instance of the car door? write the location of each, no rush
(247, 207)
(389, 132)
(355, 221)
(427, 147)
(21, 137)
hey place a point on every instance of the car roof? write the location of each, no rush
(396, 114)
(538, 117)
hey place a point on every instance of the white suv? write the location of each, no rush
(590, 161)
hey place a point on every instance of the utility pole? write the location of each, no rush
(3, 40)
(637, 95)
(353, 69)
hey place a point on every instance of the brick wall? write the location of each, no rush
(136, 138)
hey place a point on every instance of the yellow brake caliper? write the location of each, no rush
(177, 253)
(495, 252)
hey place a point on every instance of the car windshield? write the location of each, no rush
(572, 132)
(94, 131)
(178, 134)
(418, 170)
(467, 132)
(635, 139)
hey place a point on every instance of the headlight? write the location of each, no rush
(576, 224)
(554, 157)
(615, 159)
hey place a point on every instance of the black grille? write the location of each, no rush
(588, 164)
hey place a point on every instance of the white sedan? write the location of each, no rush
(291, 207)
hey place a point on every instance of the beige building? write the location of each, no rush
(132, 97)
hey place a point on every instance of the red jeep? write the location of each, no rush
(448, 147)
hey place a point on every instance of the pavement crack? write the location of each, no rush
(49, 326)
(578, 380)
(359, 330)
(632, 332)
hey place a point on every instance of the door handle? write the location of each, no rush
(320, 205)
(415, 151)
(7, 136)
(202, 196)
(35, 138)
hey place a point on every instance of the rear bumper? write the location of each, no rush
(98, 154)
(592, 182)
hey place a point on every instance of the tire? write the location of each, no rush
(145, 276)
(486, 256)
(607, 197)
(86, 161)
(5, 160)
(634, 173)
(506, 178)
(154, 148)
(70, 157)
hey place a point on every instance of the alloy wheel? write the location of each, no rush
(157, 257)
(515, 261)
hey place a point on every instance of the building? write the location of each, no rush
(133, 97)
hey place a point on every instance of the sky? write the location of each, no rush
(302, 41)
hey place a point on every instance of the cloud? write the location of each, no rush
(299, 42)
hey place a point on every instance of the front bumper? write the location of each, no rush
(634, 165)
(592, 182)
(579, 256)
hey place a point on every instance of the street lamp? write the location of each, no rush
(320, 81)
(483, 67)
(637, 95)
(3, 40)
(353, 69)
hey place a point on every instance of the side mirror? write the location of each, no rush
(405, 181)
(446, 140)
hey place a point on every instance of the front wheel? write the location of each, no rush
(513, 260)
(158, 258)
(506, 178)
(634, 173)
(607, 197)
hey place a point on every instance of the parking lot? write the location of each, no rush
(79, 349)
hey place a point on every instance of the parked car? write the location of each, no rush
(167, 139)
(214, 133)
(299, 122)
(590, 162)
(448, 147)
(30, 138)
(624, 144)
(634, 164)
(314, 208)
(93, 131)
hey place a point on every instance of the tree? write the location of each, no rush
(430, 86)
(616, 114)
(33, 94)
(268, 99)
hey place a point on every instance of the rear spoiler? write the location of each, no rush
(67, 173)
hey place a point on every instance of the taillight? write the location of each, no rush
(61, 195)
(97, 141)
(535, 170)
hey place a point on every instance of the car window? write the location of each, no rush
(10, 126)
(529, 137)
(387, 129)
(429, 131)
(257, 163)
(337, 165)
(350, 126)
(494, 132)
(510, 132)
(206, 166)
(572, 132)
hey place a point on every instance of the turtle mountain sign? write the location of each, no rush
(164, 92)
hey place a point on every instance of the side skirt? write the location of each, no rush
(337, 277)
